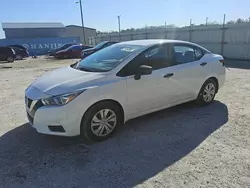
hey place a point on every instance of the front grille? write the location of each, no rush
(38, 104)
(30, 118)
(32, 107)
(29, 101)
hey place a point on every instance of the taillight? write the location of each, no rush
(223, 62)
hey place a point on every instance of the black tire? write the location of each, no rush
(10, 59)
(86, 130)
(200, 99)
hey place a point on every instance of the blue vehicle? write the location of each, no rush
(73, 51)
(98, 47)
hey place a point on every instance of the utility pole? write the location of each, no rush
(83, 32)
(206, 21)
(190, 30)
(166, 30)
(119, 24)
(223, 35)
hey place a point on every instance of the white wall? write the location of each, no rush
(236, 43)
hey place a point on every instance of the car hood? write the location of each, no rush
(66, 80)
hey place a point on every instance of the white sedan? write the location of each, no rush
(95, 96)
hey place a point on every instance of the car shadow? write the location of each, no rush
(144, 147)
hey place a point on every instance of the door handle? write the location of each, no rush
(203, 64)
(168, 75)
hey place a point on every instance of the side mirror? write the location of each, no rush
(143, 70)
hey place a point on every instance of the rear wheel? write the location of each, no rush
(207, 92)
(10, 59)
(101, 121)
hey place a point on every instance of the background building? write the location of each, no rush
(33, 30)
(39, 38)
(74, 30)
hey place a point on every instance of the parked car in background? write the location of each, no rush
(73, 51)
(95, 96)
(53, 51)
(20, 52)
(98, 47)
(7, 54)
(18, 46)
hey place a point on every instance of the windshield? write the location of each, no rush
(108, 58)
(100, 45)
(65, 46)
(74, 47)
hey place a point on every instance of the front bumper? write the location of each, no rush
(42, 118)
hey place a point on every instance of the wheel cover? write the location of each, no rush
(103, 122)
(10, 59)
(19, 57)
(209, 92)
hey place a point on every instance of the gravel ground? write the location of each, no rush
(184, 146)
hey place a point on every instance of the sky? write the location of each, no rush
(102, 14)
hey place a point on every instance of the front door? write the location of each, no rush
(150, 92)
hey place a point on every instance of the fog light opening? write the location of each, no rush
(56, 128)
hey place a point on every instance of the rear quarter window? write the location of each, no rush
(198, 53)
(185, 53)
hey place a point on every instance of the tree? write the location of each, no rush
(231, 22)
(239, 20)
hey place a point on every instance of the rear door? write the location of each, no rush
(76, 51)
(188, 71)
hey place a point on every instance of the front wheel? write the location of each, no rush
(207, 92)
(101, 121)
(10, 59)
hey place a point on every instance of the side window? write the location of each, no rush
(156, 57)
(184, 54)
(106, 45)
(76, 47)
(151, 53)
(198, 53)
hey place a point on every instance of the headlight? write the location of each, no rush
(61, 99)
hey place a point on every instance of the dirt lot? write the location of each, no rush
(184, 146)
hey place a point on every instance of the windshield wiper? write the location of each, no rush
(85, 69)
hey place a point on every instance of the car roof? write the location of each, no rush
(71, 46)
(151, 42)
